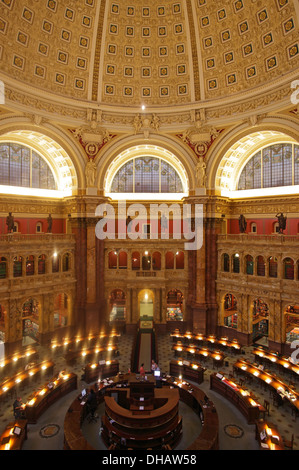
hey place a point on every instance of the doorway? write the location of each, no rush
(146, 307)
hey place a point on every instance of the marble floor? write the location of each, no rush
(40, 438)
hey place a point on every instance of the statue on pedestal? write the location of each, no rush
(10, 222)
(282, 222)
(90, 173)
(201, 173)
(50, 222)
(242, 224)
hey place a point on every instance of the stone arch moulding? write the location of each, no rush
(221, 160)
(56, 146)
(123, 150)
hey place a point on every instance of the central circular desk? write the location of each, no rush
(140, 416)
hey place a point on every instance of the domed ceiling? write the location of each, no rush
(154, 53)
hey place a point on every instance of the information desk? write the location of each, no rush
(14, 435)
(283, 363)
(23, 378)
(187, 370)
(268, 436)
(283, 391)
(52, 391)
(100, 370)
(208, 438)
(203, 353)
(131, 426)
(241, 398)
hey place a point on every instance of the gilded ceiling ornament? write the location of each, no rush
(200, 137)
(92, 138)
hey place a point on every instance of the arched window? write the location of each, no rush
(146, 261)
(55, 263)
(30, 265)
(122, 260)
(249, 264)
(156, 260)
(22, 166)
(288, 268)
(273, 166)
(39, 227)
(225, 263)
(236, 263)
(3, 267)
(17, 266)
(260, 266)
(253, 227)
(169, 260)
(42, 264)
(272, 266)
(66, 262)
(179, 260)
(135, 260)
(147, 175)
(112, 260)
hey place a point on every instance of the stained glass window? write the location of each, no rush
(146, 175)
(22, 166)
(274, 166)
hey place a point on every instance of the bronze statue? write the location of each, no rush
(282, 222)
(50, 221)
(242, 224)
(10, 222)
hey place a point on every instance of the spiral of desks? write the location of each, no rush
(208, 439)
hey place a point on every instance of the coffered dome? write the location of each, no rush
(128, 53)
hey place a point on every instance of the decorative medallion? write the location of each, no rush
(50, 430)
(234, 431)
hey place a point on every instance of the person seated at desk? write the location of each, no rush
(92, 402)
(153, 366)
(18, 408)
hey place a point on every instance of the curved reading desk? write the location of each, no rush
(152, 424)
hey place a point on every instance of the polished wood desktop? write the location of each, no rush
(283, 363)
(100, 370)
(246, 403)
(11, 441)
(201, 352)
(196, 338)
(18, 360)
(56, 388)
(189, 370)
(197, 400)
(268, 436)
(283, 391)
(90, 354)
(13, 384)
(84, 342)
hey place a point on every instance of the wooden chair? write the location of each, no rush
(289, 444)
(267, 407)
